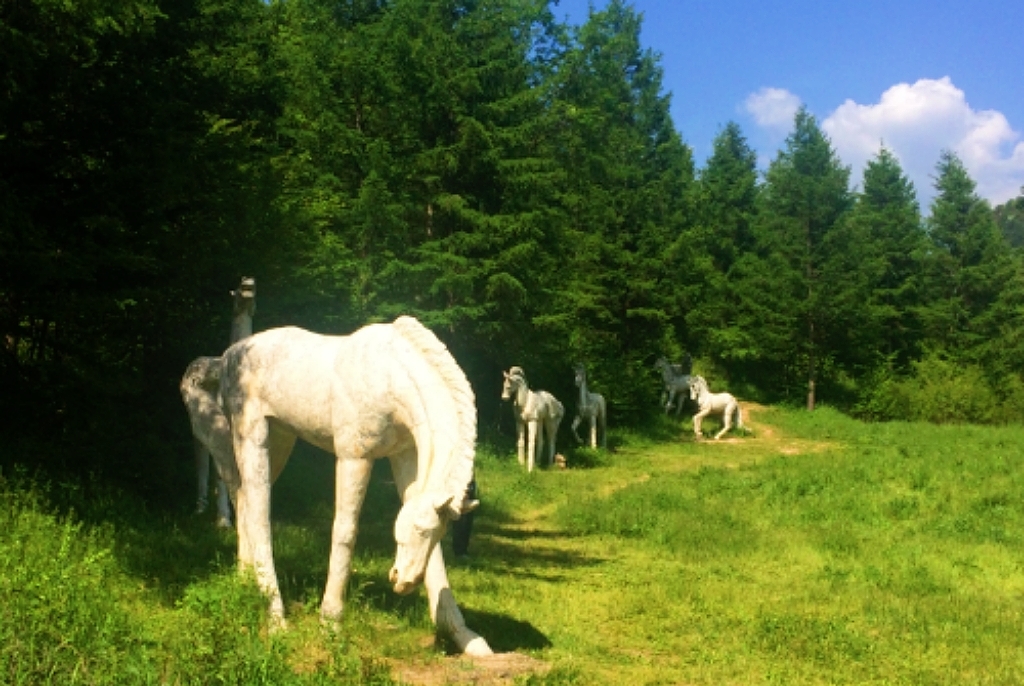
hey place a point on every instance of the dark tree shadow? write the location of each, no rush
(504, 634)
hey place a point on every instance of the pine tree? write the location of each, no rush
(804, 199)
(966, 266)
(873, 274)
(627, 179)
(134, 191)
(726, 208)
(1010, 219)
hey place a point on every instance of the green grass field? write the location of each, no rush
(819, 550)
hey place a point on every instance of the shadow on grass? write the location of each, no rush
(503, 633)
(494, 528)
(169, 551)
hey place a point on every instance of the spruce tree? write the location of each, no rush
(627, 183)
(874, 272)
(804, 199)
(726, 207)
(1010, 219)
(967, 264)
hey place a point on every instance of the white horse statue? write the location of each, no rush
(677, 384)
(387, 390)
(723, 404)
(592, 408)
(199, 387)
(538, 413)
(211, 434)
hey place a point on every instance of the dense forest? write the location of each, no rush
(514, 182)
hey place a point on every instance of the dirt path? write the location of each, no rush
(501, 669)
(731, 452)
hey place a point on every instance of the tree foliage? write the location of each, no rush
(515, 182)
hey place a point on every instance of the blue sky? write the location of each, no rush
(920, 76)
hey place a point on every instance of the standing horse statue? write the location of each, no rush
(387, 390)
(723, 404)
(677, 384)
(537, 413)
(592, 408)
(199, 388)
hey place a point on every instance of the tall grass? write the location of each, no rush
(99, 603)
(819, 550)
(63, 620)
(893, 555)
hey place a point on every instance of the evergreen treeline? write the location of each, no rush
(515, 182)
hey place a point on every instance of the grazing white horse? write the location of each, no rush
(199, 387)
(723, 404)
(538, 413)
(677, 384)
(211, 434)
(592, 408)
(387, 390)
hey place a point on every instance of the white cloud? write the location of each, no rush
(916, 122)
(773, 108)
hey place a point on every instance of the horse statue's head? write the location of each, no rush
(581, 375)
(420, 525)
(245, 296)
(514, 378)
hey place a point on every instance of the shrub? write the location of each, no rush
(938, 391)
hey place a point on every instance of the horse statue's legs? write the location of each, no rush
(521, 441)
(668, 403)
(534, 443)
(351, 479)
(726, 423)
(203, 487)
(575, 424)
(551, 428)
(593, 429)
(223, 505)
(445, 611)
(557, 417)
(733, 408)
(697, 418)
(262, 450)
(202, 474)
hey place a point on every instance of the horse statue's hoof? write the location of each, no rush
(478, 647)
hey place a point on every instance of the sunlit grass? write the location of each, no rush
(832, 552)
(817, 550)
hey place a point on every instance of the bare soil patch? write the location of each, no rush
(501, 669)
(769, 435)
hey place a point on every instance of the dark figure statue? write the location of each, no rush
(462, 526)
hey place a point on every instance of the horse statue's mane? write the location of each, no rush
(460, 469)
